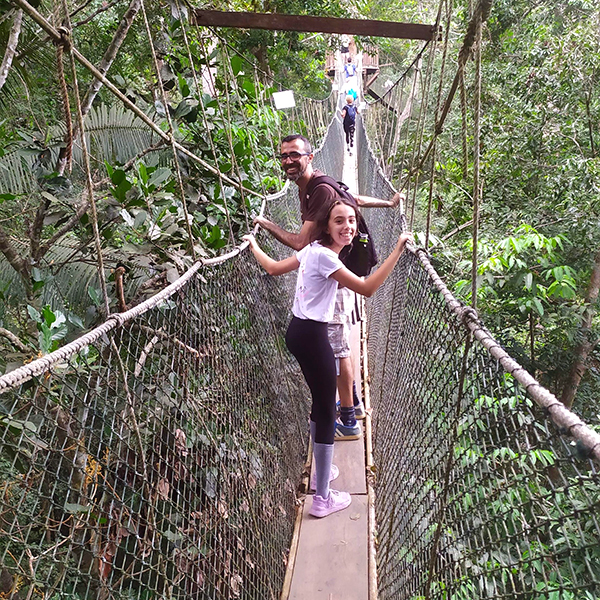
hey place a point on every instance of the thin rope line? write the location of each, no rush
(559, 413)
(199, 93)
(87, 166)
(476, 155)
(171, 131)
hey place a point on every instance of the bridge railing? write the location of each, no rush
(486, 485)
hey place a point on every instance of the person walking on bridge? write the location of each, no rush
(349, 122)
(320, 273)
(296, 160)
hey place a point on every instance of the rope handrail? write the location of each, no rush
(559, 413)
(41, 365)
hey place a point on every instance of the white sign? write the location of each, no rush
(284, 99)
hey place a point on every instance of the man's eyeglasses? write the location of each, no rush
(292, 155)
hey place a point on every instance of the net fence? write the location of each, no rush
(161, 459)
(159, 455)
(486, 486)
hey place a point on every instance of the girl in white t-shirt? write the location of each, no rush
(320, 272)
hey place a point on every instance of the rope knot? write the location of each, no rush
(467, 313)
(65, 38)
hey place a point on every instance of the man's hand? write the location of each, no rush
(264, 223)
(396, 199)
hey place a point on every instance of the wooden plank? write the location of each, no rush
(331, 563)
(349, 456)
(280, 22)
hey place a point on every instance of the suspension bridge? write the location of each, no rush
(163, 454)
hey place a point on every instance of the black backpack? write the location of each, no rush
(350, 116)
(360, 257)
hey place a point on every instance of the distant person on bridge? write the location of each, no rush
(345, 46)
(320, 272)
(349, 122)
(296, 160)
(349, 68)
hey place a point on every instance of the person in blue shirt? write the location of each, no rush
(349, 68)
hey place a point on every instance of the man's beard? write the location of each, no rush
(296, 176)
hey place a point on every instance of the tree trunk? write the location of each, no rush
(11, 47)
(105, 63)
(110, 53)
(19, 264)
(583, 349)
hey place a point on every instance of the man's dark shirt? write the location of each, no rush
(314, 207)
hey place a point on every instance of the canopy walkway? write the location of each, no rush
(163, 454)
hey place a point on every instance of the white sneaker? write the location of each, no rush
(334, 473)
(321, 507)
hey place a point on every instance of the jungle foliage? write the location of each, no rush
(539, 161)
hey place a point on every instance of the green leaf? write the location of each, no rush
(172, 536)
(118, 176)
(45, 338)
(143, 172)
(184, 88)
(76, 320)
(237, 64)
(159, 176)
(94, 294)
(140, 219)
(538, 306)
(76, 508)
(48, 316)
(34, 314)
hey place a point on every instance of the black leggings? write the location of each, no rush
(309, 343)
(349, 131)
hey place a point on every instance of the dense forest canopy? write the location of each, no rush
(539, 243)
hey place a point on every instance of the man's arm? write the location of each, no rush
(369, 202)
(297, 241)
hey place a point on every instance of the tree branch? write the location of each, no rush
(95, 13)
(19, 264)
(16, 262)
(63, 230)
(14, 340)
(459, 228)
(35, 231)
(11, 47)
(585, 347)
(110, 54)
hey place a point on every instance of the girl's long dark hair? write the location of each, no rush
(323, 221)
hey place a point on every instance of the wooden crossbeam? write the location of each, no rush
(248, 20)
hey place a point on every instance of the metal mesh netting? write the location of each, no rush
(159, 455)
(160, 458)
(479, 493)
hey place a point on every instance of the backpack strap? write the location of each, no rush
(338, 186)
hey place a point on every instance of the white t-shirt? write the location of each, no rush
(315, 289)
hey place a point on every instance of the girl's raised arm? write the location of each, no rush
(271, 266)
(368, 286)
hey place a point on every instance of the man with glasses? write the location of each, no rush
(296, 160)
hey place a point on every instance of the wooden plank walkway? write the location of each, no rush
(332, 554)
